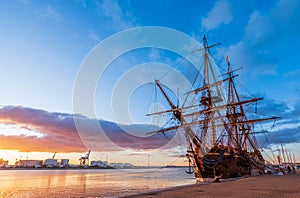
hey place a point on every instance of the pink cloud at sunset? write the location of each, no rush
(58, 132)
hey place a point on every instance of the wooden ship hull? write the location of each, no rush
(224, 165)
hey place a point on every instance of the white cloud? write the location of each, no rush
(25, 1)
(82, 2)
(258, 47)
(252, 59)
(50, 12)
(154, 54)
(259, 27)
(111, 10)
(94, 37)
(219, 14)
(292, 73)
(285, 10)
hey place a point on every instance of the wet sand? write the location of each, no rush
(258, 186)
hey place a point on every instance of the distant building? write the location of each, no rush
(99, 164)
(50, 163)
(121, 165)
(64, 163)
(29, 163)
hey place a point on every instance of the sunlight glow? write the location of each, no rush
(17, 130)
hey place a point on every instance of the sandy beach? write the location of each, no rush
(258, 186)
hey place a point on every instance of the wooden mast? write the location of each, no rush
(231, 111)
(283, 154)
(209, 103)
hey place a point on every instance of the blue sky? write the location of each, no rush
(43, 44)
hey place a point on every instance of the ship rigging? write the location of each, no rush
(220, 138)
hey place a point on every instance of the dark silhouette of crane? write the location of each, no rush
(54, 155)
(84, 161)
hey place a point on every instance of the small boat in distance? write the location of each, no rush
(220, 138)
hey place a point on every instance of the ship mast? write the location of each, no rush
(189, 134)
(231, 111)
(178, 115)
(236, 115)
(209, 98)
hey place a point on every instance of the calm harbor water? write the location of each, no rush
(88, 183)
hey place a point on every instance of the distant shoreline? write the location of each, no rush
(54, 168)
(86, 168)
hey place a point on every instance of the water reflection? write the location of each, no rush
(78, 183)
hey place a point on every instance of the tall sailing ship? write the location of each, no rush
(220, 138)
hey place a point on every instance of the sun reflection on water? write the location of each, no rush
(78, 183)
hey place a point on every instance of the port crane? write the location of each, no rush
(85, 159)
(54, 155)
